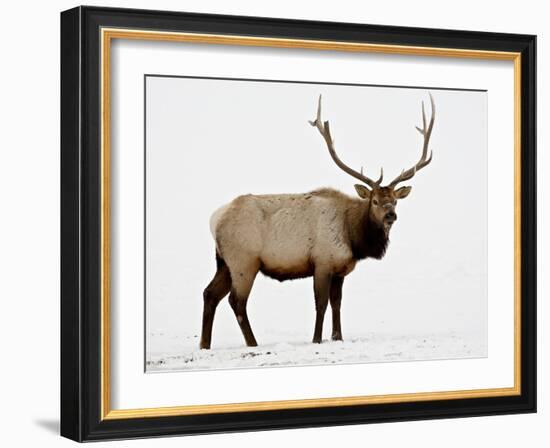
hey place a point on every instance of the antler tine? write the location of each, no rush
(426, 132)
(423, 116)
(381, 178)
(318, 118)
(324, 130)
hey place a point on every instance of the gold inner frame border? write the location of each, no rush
(107, 35)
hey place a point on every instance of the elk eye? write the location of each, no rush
(375, 202)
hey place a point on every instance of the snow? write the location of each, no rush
(186, 355)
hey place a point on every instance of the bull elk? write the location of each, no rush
(320, 234)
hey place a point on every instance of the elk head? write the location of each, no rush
(381, 200)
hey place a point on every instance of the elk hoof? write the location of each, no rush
(205, 345)
(337, 337)
(317, 340)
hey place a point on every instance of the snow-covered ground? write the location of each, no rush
(366, 349)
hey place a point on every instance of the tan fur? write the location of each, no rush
(286, 233)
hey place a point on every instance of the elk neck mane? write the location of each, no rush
(367, 239)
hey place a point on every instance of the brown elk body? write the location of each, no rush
(320, 234)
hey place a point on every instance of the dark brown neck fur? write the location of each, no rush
(367, 239)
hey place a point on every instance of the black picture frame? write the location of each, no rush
(81, 414)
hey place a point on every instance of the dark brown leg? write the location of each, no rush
(335, 301)
(321, 288)
(238, 304)
(213, 294)
(243, 272)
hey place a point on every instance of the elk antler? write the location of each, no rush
(424, 159)
(324, 129)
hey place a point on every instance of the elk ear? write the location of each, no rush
(402, 192)
(362, 191)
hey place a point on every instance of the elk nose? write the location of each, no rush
(391, 216)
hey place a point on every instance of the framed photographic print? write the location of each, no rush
(272, 223)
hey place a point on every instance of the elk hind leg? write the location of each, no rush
(216, 290)
(238, 298)
(335, 302)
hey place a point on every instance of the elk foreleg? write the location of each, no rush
(213, 294)
(321, 288)
(335, 301)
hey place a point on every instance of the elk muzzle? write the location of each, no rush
(390, 217)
